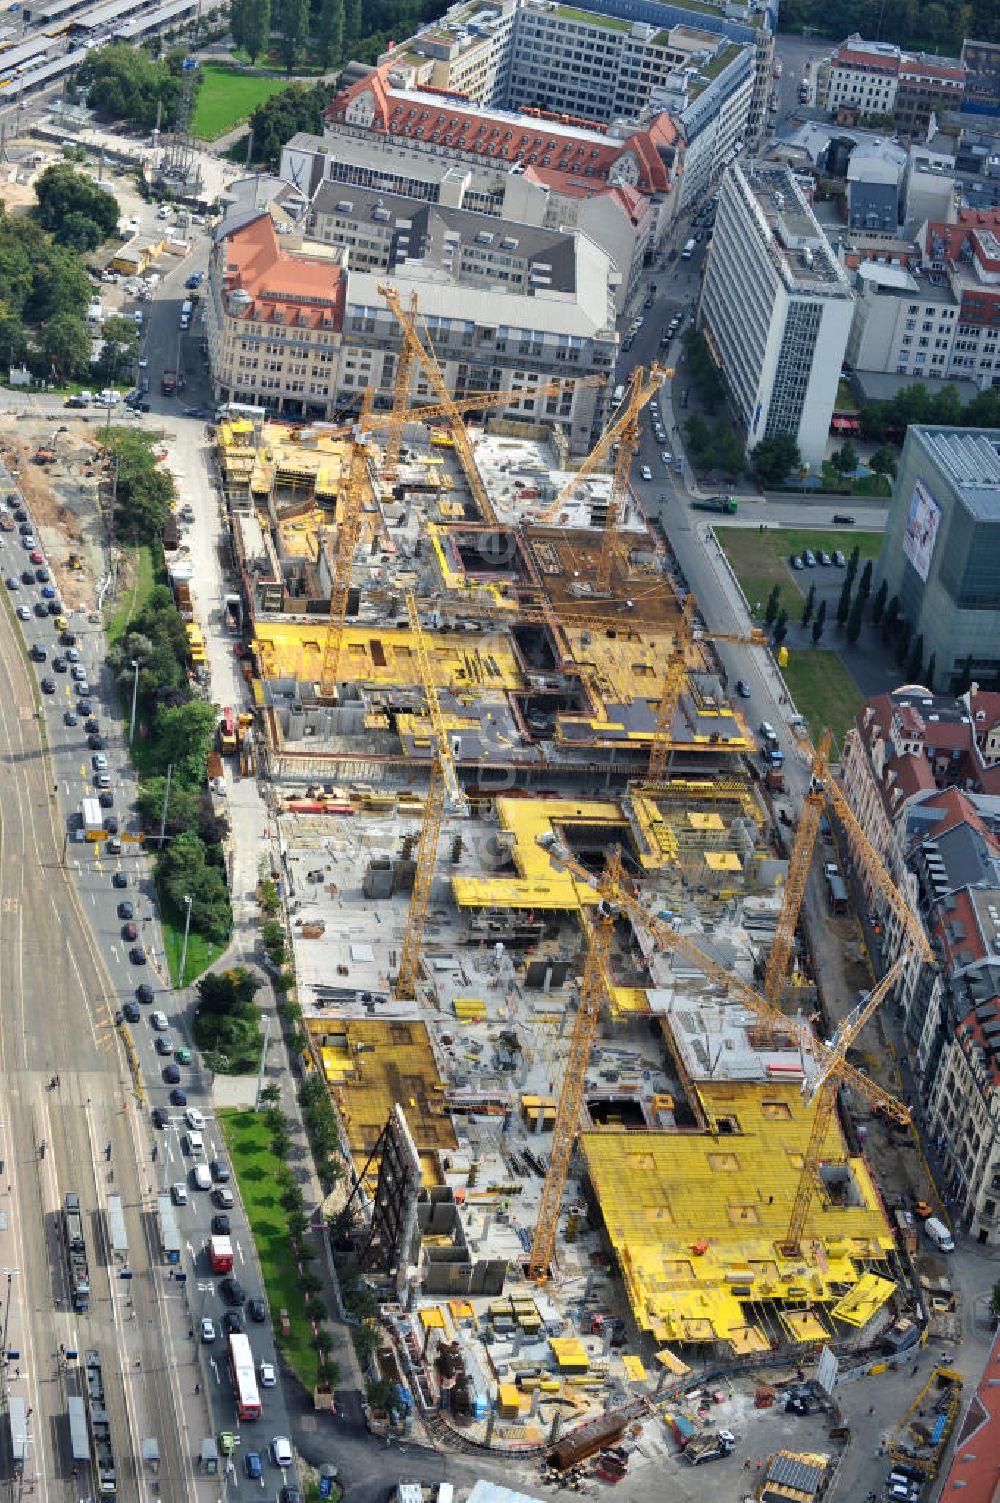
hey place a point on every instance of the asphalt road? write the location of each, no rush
(57, 1019)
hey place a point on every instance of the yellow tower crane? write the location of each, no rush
(624, 432)
(350, 500)
(592, 991)
(444, 791)
(823, 1090)
(675, 676)
(419, 350)
(669, 938)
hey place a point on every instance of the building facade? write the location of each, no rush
(775, 308)
(927, 86)
(291, 327)
(940, 552)
(861, 75)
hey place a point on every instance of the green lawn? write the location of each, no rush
(823, 691)
(760, 559)
(130, 601)
(226, 97)
(253, 1162)
(201, 952)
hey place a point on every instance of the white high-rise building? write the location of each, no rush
(775, 308)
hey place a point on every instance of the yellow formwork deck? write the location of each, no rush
(370, 1066)
(540, 884)
(388, 656)
(696, 1219)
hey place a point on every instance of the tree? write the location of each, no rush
(878, 604)
(728, 451)
(771, 609)
(890, 618)
(353, 21)
(852, 562)
(915, 662)
(819, 623)
(256, 27)
(185, 872)
(883, 461)
(902, 647)
(66, 196)
(128, 83)
(13, 341)
(230, 992)
(184, 736)
(294, 22)
(844, 603)
(781, 628)
(65, 342)
(931, 673)
(382, 1395)
(809, 605)
(845, 459)
(330, 32)
(865, 583)
(296, 108)
(775, 457)
(854, 619)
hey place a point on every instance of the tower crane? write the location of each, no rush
(418, 350)
(674, 676)
(625, 432)
(823, 1090)
(444, 791)
(666, 937)
(592, 991)
(351, 494)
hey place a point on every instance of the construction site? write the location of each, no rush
(546, 934)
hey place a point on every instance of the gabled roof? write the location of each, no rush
(574, 156)
(974, 1473)
(292, 283)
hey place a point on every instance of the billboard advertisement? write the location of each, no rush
(922, 526)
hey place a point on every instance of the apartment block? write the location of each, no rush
(621, 219)
(921, 772)
(982, 79)
(293, 328)
(928, 85)
(903, 323)
(775, 308)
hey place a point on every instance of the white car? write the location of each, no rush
(158, 1020)
(178, 1193)
(666, 456)
(646, 472)
(207, 1329)
(268, 1377)
(132, 225)
(281, 1451)
(194, 1118)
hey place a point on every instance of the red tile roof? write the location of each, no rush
(974, 1473)
(874, 62)
(281, 280)
(574, 156)
(959, 953)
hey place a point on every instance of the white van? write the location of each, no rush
(939, 1234)
(196, 1144)
(108, 398)
(202, 1176)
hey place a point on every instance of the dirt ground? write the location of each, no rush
(63, 498)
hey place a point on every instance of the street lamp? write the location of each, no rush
(135, 695)
(184, 947)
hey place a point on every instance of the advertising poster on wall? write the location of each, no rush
(922, 526)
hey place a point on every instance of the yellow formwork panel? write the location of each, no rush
(863, 1301)
(372, 1065)
(540, 883)
(697, 1219)
(387, 656)
(626, 1001)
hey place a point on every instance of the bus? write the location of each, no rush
(244, 1378)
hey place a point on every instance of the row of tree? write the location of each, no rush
(328, 31)
(298, 108)
(915, 404)
(941, 26)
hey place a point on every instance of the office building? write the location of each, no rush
(618, 218)
(940, 552)
(875, 174)
(862, 76)
(927, 86)
(293, 328)
(982, 79)
(775, 308)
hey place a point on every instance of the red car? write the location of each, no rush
(130, 932)
(37, 556)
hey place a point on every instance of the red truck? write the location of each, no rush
(168, 383)
(220, 1252)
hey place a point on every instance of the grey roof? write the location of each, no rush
(970, 458)
(876, 161)
(966, 857)
(437, 233)
(788, 1471)
(880, 386)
